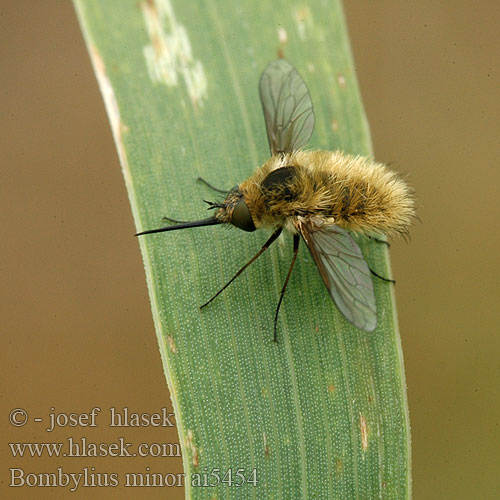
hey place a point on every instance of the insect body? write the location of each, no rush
(321, 196)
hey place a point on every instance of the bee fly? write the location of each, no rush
(321, 196)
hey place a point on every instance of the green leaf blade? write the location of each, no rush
(323, 413)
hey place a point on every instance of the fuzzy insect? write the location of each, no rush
(321, 196)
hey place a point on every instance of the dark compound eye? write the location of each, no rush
(241, 217)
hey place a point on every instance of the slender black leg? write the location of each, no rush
(296, 240)
(168, 219)
(266, 245)
(378, 240)
(381, 277)
(212, 187)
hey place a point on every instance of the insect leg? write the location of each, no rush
(381, 277)
(266, 245)
(168, 219)
(212, 187)
(296, 240)
(378, 240)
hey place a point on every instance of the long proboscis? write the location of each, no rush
(212, 221)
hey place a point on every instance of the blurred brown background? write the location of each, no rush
(76, 325)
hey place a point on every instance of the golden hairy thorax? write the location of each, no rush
(352, 192)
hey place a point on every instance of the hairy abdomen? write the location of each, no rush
(353, 192)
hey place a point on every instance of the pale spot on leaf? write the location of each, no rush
(303, 19)
(282, 35)
(364, 432)
(169, 57)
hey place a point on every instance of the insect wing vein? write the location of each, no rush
(287, 106)
(345, 273)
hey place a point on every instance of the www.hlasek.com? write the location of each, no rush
(82, 447)
(90, 478)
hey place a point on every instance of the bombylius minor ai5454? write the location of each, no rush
(321, 196)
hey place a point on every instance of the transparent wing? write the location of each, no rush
(287, 107)
(345, 273)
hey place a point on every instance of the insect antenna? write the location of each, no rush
(224, 191)
(212, 205)
(296, 240)
(197, 223)
(266, 245)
